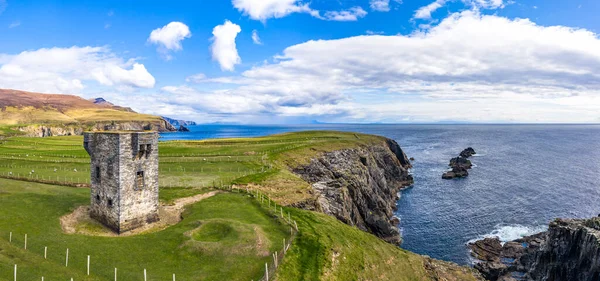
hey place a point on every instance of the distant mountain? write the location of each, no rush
(39, 114)
(177, 123)
(105, 103)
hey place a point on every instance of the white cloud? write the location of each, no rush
(3, 5)
(352, 14)
(266, 9)
(69, 70)
(196, 78)
(169, 37)
(223, 48)
(14, 24)
(256, 38)
(469, 67)
(425, 11)
(380, 5)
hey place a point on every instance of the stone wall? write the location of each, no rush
(139, 205)
(104, 190)
(125, 196)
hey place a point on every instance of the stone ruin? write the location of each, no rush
(124, 178)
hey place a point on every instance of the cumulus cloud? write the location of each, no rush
(169, 37)
(425, 11)
(469, 67)
(68, 70)
(380, 5)
(266, 9)
(256, 38)
(223, 48)
(352, 14)
(14, 24)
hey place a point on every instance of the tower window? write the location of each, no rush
(148, 150)
(98, 198)
(110, 202)
(139, 180)
(98, 176)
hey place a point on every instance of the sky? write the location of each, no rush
(296, 61)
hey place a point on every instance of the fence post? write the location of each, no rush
(45, 252)
(88, 265)
(10, 237)
(15, 272)
(67, 258)
(25, 247)
(115, 274)
(266, 272)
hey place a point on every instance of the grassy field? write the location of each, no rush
(226, 237)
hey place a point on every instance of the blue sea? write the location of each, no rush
(523, 177)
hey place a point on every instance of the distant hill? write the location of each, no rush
(105, 103)
(37, 114)
(177, 123)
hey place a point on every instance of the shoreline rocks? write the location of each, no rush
(568, 251)
(460, 165)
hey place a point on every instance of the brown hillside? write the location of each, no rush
(26, 108)
(15, 98)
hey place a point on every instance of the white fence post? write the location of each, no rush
(67, 258)
(15, 272)
(88, 266)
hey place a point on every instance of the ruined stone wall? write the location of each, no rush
(139, 204)
(104, 191)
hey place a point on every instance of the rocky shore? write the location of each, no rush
(460, 165)
(359, 186)
(568, 251)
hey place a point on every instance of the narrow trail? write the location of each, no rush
(79, 221)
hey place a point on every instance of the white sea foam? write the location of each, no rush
(510, 232)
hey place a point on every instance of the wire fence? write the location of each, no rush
(61, 256)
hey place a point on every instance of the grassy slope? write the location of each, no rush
(325, 248)
(27, 108)
(35, 208)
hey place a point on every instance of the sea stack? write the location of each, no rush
(460, 165)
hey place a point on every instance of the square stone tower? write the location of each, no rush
(124, 177)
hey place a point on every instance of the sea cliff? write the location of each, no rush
(48, 130)
(568, 251)
(360, 185)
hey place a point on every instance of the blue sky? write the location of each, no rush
(330, 61)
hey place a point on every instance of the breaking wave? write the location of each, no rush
(510, 232)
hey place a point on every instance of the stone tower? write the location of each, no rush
(124, 177)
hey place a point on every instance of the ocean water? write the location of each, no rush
(523, 177)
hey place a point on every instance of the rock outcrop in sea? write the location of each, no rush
(359, 186)
(568, 251)
(460, 165)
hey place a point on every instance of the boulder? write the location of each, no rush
(468, 152)
(183, 129)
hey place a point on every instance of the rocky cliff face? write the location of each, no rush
(69, 130)
(568, 251)
(359, 186)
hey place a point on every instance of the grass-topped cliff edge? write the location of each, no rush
(324, 248)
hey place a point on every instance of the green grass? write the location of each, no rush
(34, 209)
(225, 237)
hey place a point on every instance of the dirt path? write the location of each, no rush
(79, 221)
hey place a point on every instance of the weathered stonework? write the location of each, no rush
(124, 178)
